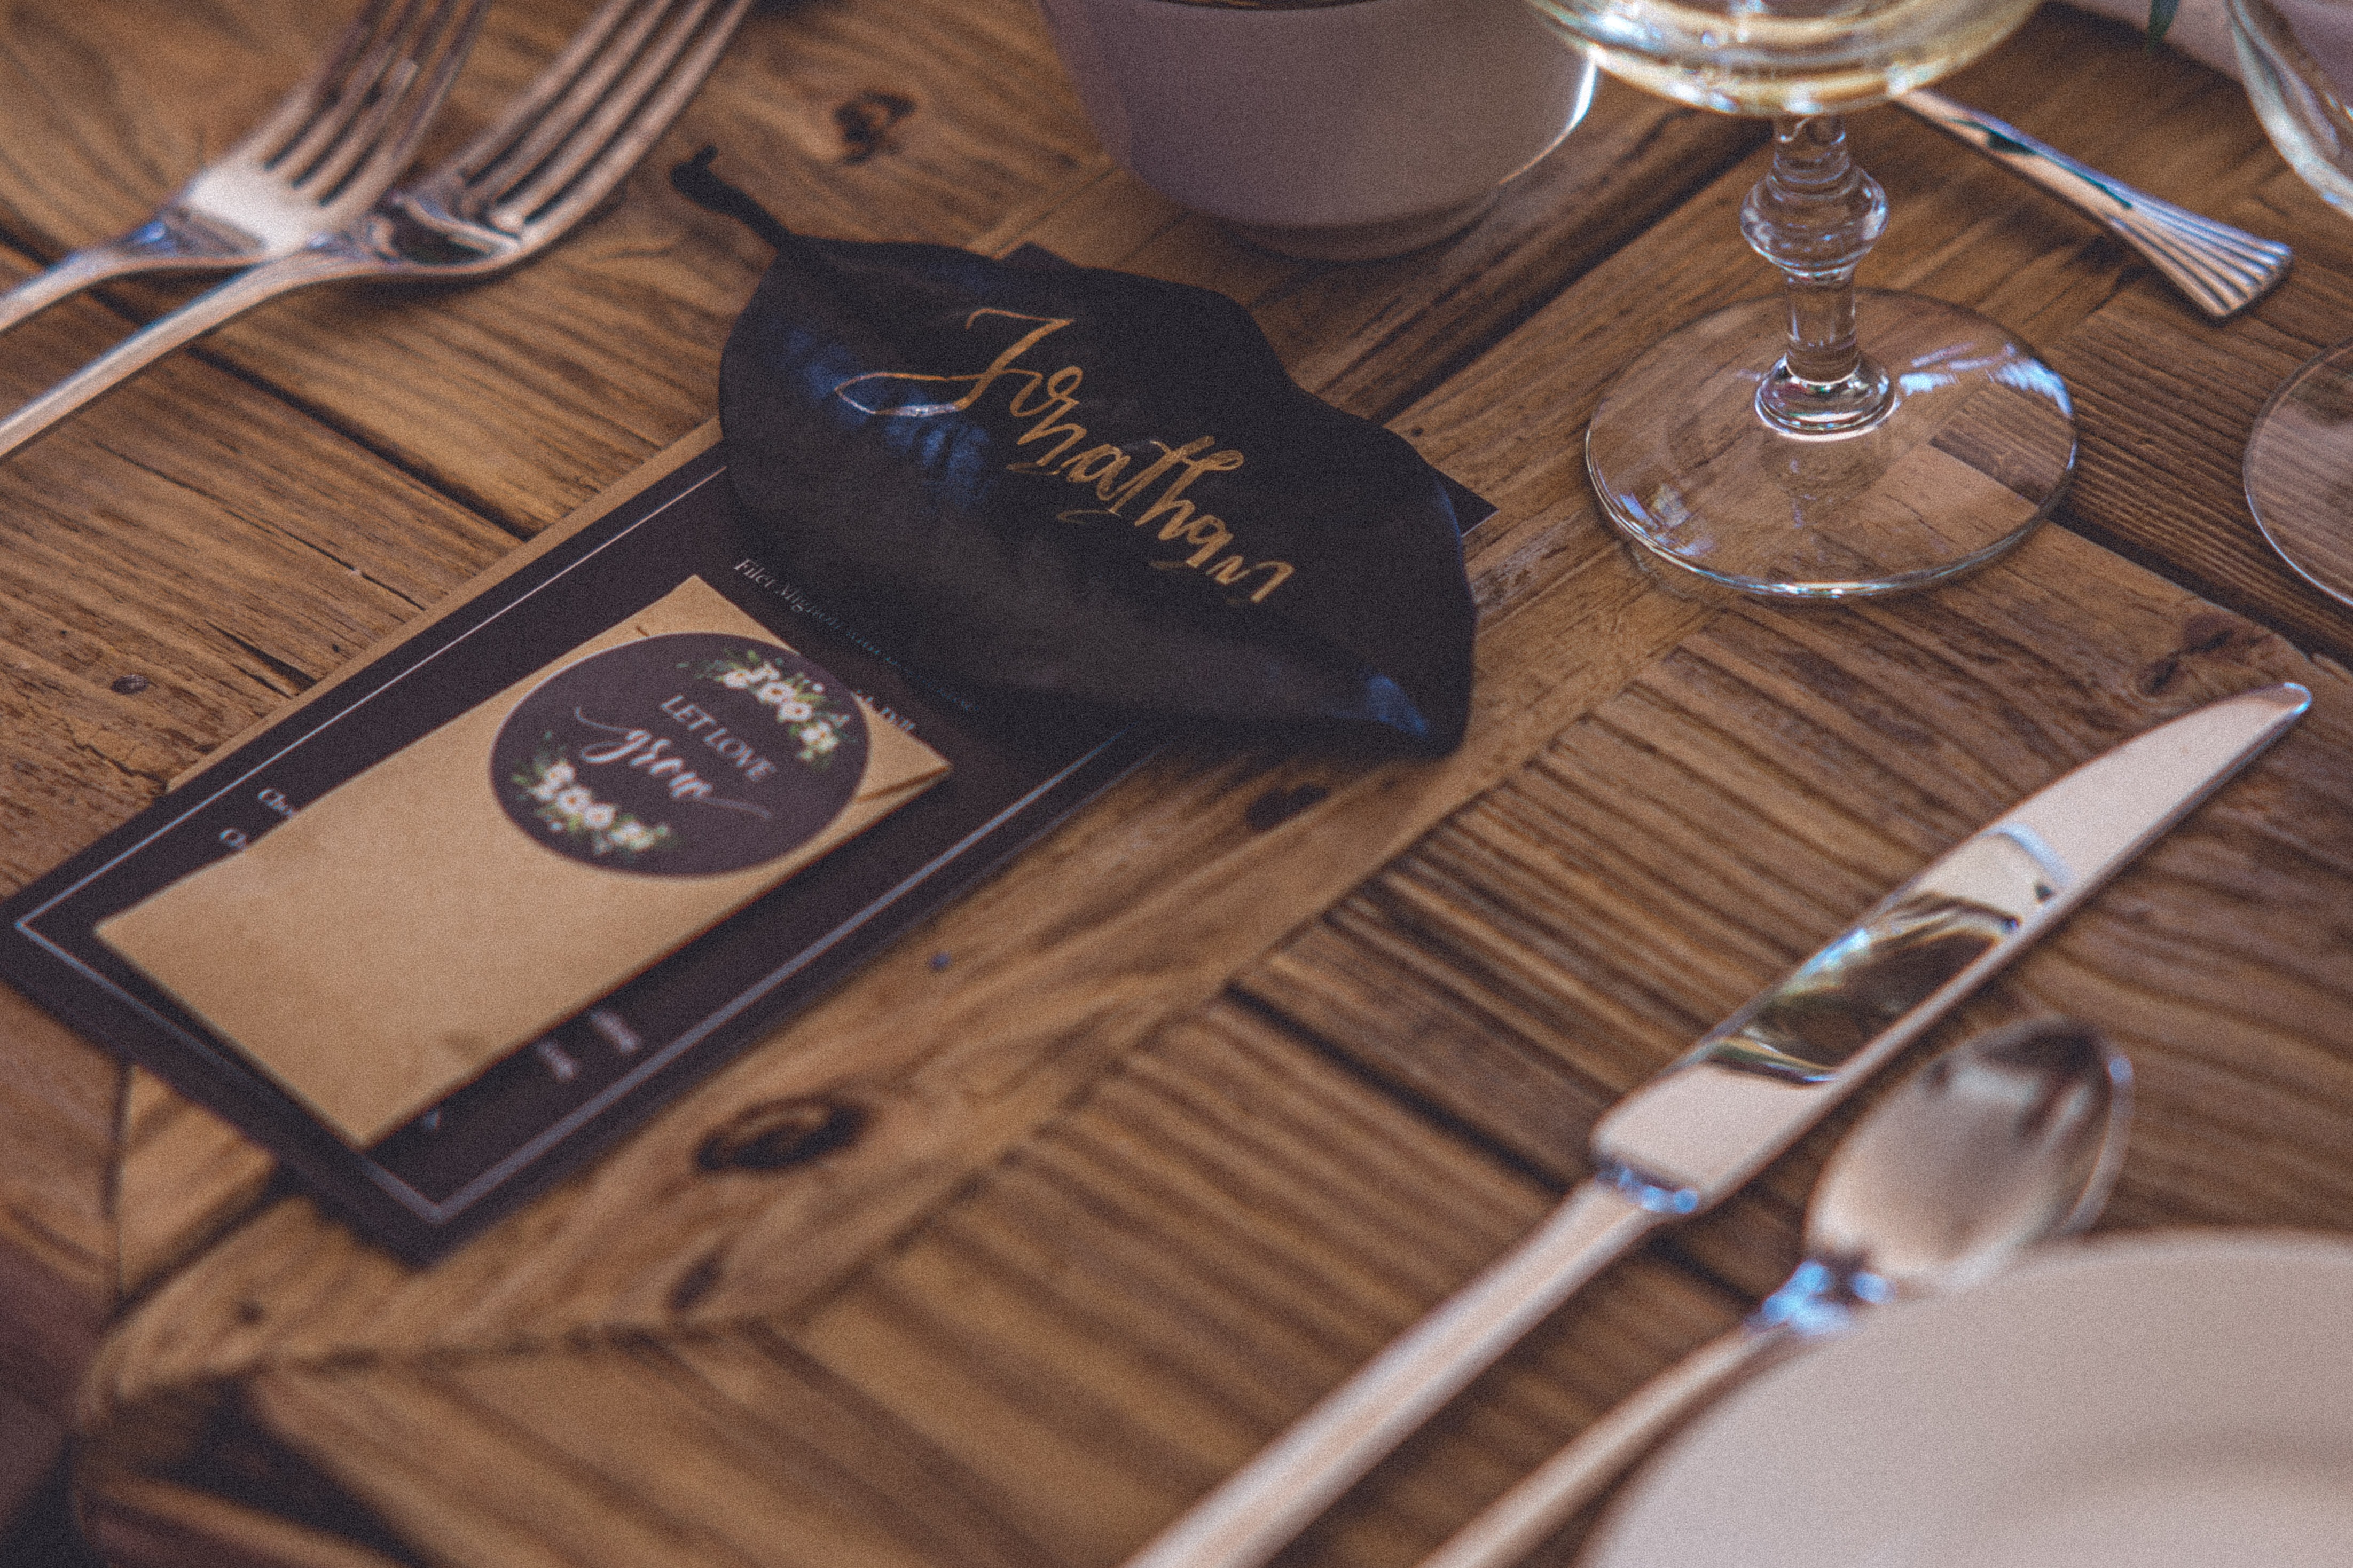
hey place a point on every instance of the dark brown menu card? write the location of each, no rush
(484, 901)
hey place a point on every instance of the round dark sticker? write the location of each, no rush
(681, 756)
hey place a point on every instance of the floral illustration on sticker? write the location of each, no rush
(798, 701)
(569, 808)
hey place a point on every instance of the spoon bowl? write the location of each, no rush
(2008, 1138)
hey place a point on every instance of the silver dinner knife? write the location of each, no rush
(1692, 1135)
(2221, 269)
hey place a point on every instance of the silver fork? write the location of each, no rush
(565, 140)
(329, 149)
(2221, 269)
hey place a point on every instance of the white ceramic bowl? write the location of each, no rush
(1335, 132)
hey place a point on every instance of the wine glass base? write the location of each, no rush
(1974, 451)
(2299, 472)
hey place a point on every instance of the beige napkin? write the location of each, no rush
(402, 933)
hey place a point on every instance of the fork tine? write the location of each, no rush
(574, 178)
(563, 117)
(385, 101)
(630, 122)
(516, 119)
(267, 141)
(349, 91)
(380, 143)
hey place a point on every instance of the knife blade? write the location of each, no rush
(1718, 1114)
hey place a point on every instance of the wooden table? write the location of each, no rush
(1233, 1077)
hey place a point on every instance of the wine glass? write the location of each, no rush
(1828, 443)
(2299, 464)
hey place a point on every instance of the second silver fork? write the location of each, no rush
(2221, 269)
(333, 145)
(565, 141)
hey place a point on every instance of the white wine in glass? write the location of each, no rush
(1828, 443)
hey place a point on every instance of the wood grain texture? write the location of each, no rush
(1156, 1283)
(2165, 398)
(58, 1104)
(2161, 458)
(134, 639)
(204, 552)
(1196, 822)
(1019, 1386)
(129, 563)
(1168, 1148)
(527, 393)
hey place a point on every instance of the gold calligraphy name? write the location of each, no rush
(1050, 400)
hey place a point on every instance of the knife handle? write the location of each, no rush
(1263, 1505)
(2221, 269)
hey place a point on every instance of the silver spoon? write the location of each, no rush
(2007, 1139)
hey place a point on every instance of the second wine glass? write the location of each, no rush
(2296, 59)
(1829, 443)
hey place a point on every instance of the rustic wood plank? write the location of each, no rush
(1020, 1388)
(1761, 720)
(1143, 1295)
(137, 631)
(1197, 812)
(955, 1069)
(2164, 399)
(167, 580)
(58, 1102)
(2167, 410)
(2131, 654)
(1786, 736)
(160, 587)
(528, 393)
(1546, 950)
(58, 1106)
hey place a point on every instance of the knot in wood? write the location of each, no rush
(777, 1134)
(2209, 632)
(865, 124)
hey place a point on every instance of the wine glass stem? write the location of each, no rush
(1815, 215)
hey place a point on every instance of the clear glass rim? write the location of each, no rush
(1855, 55)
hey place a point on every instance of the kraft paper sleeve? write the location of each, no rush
(442, 908)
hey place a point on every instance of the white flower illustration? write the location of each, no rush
(571, 810)
(742, 676)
